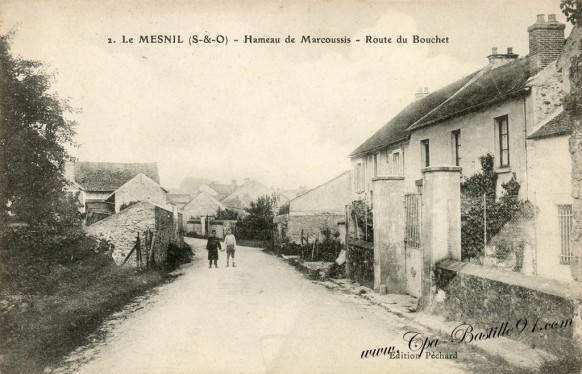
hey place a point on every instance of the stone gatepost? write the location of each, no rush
(441, 221)
(389, 231)
(203, 224)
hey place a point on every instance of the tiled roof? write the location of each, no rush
(556, 126)
(223, 189)
(395, 130)
(477, 90)
(179, 198)
(203, 204)
(109, 176)
(245, 194)
(490, 87)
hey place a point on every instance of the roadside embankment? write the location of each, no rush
(53, 297)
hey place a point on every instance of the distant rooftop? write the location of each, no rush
(108, 176)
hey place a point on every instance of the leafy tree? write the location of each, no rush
(363, 215)
(258, 224)
(284, 209)
(226, 214)
(572, 9)
(33, 137)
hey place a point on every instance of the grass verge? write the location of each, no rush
(52, 299)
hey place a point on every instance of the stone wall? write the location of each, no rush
(166, 234)
(486, 297)
(312, 225)
(222, 226)
(122, 228)
(195, 226)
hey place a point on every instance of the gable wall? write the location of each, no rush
(140, 188)
(201, 205)
(328, 198)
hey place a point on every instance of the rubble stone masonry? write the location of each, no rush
(312, 225)
(121, 229)
(487, 297)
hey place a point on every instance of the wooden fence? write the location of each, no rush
(144, 250)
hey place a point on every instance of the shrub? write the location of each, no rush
(330, 247)
(258, 224)
(363, 215)
(226, 214)
(177, 255)
(284, 209)
(478, 199)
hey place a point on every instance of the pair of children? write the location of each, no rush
(213, 245)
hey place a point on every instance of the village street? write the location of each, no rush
(261, 317)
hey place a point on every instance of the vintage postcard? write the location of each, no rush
(301, 186)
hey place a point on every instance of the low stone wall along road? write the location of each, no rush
(261, 317)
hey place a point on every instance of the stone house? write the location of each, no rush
(249, 191)
(322, 207)
(139, 188)
(203, 204)
(218, 190)
(509, 108)
(96, 181)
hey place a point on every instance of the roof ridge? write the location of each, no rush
(478, 75)
(126, 183)
(520, 63)
(212, 198)
(396, 130)
(323, 184)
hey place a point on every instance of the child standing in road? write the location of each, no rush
(213, 245)
(230, 242)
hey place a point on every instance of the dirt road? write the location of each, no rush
(260, 317)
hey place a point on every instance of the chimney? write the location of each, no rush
(421, 93)
(497, 59)
(546, 40)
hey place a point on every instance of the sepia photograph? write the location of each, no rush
(301, 186)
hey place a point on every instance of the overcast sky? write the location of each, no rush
(284, 114)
